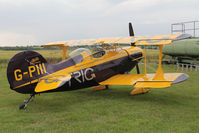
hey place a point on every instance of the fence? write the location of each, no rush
(191, 27)
(187, 67)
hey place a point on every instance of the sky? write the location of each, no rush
(36, 22)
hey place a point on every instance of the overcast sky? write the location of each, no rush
(30, 22)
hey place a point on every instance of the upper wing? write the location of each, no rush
(139, 40)
(145, 81)
(51, 82)
(160, 39)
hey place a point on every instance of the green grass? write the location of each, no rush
(169, 110)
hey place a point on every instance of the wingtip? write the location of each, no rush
(181, 78)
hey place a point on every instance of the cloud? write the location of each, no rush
(43, 21)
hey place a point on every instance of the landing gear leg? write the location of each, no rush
(107, 87)
(23, 106)
(137, 91)
(100, 87)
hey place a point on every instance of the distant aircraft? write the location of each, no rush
(183, 51)
(28, 72)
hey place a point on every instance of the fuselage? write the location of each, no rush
(102, 68)
(88, 70)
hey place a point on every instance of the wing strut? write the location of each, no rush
(159, 74)
(63, 46)
(145, 59)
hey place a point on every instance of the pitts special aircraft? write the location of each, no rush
(29, 73)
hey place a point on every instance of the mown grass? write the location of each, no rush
(173, 110)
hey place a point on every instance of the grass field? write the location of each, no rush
(169, 110)
(51, 55)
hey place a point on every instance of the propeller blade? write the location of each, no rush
(131, 32)
(138, 69)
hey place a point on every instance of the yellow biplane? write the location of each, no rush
(28, 72)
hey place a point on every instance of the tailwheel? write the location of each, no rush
(138, 91)
(24, 106)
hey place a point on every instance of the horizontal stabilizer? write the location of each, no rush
(51, 82)
(146, 81)
(182, 36)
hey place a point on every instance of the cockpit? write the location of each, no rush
(81, 54)
(80, 51)
(84, 54)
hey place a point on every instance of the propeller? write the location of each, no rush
(131, 33)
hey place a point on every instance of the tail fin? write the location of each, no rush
(25, 68)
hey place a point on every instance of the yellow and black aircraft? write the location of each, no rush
(28, 72)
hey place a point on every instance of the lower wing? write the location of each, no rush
(146, 81)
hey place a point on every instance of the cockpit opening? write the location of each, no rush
(98, 54)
